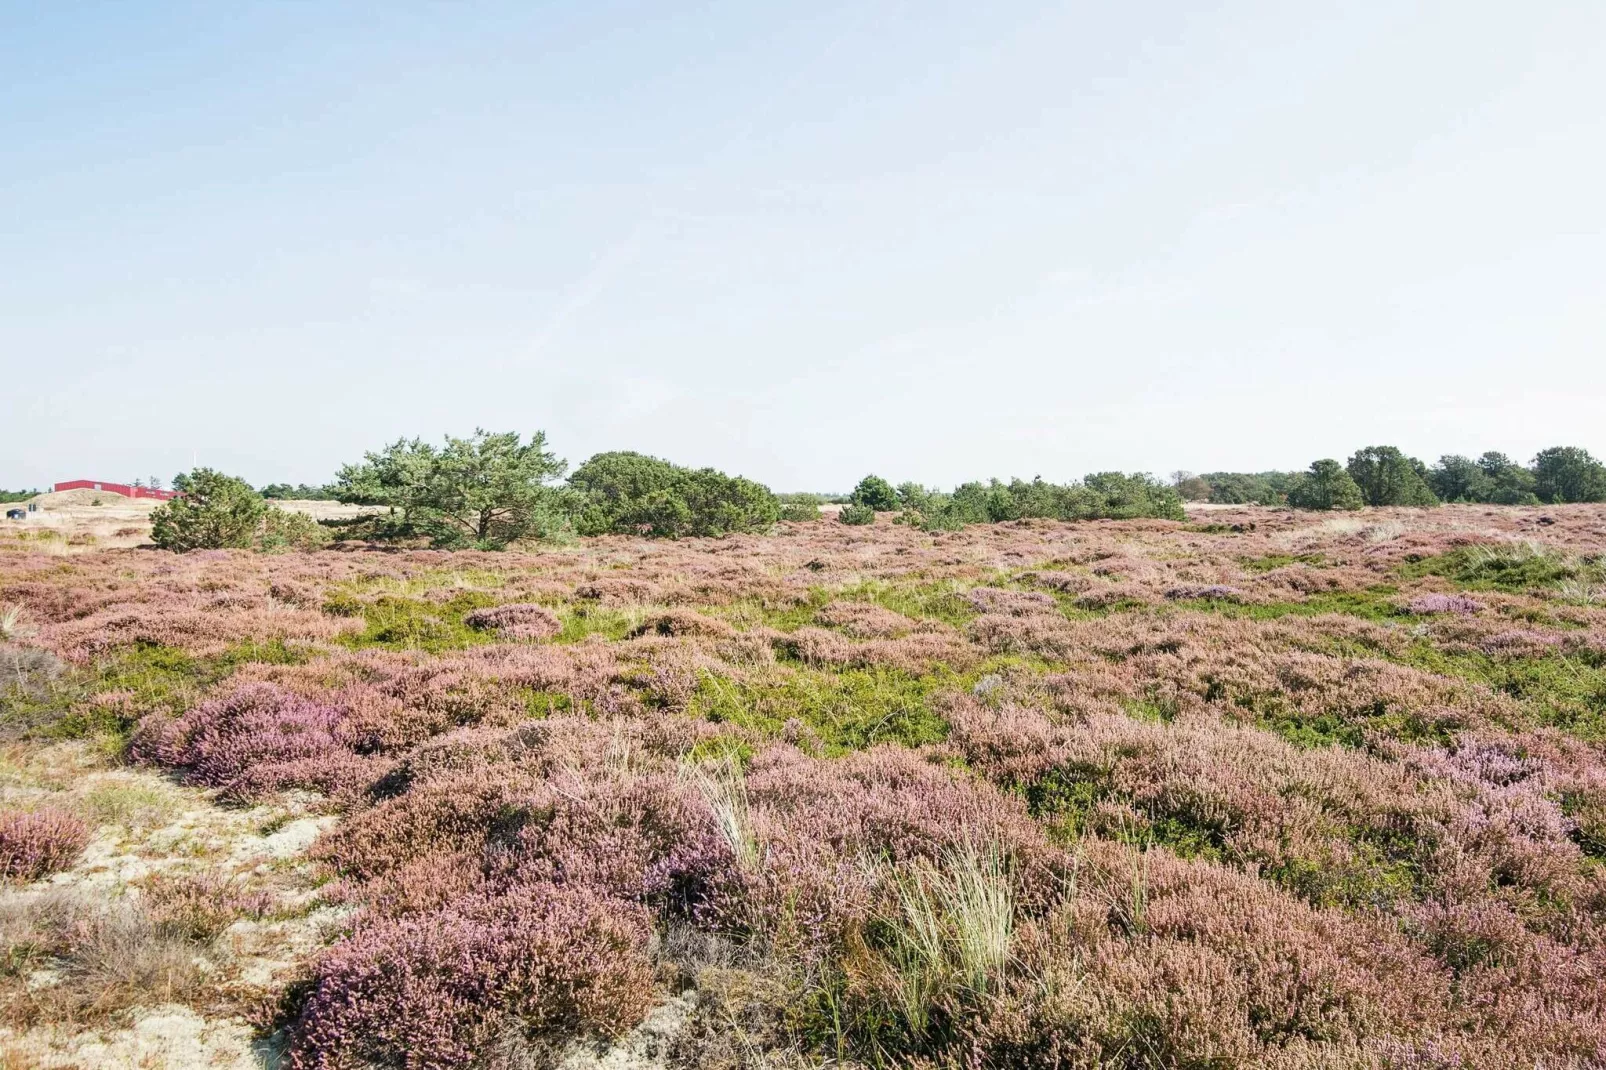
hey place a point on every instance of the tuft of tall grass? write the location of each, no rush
(949, 936)
(723, 785)
(15, 624)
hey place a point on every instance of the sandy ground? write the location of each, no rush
(147, 825)
(76, 520)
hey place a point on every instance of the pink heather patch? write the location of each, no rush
(37, 843)
(431, 993)
(516, 621)
(256, 739)
(1443, 603)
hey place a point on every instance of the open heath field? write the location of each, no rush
(75, 521)
(1254, 789)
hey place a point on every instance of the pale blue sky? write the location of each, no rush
(800, 241)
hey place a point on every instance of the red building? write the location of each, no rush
(116, 488)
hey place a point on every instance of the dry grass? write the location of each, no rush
(75, 958)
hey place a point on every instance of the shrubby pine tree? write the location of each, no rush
(215, 512)
(854, 513)
(219, 512)
(631, 493)
(1250, 488)
(489, 490)
(1326, 486)
(799, 507)
(1388, 477)
(876, 493)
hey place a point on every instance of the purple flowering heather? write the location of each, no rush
(1426, 604)
(38, 843)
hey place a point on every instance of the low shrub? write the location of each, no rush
(516, 621)
(37, 843)
(283, 531)
(255, 739)
(199, 907)
(856, 514)
(104, 957)
(431, 993)
(800, 508)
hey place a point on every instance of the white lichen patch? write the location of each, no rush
(170, 1037)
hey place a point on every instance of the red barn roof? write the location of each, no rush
(116, 488)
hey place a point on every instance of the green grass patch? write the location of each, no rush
(1382, 868)
(1272, 561)
(399, 623)
(750, 612)
(848, 710)
(1066, 797)
(1505, 567)
(545, 703)
(585, 619)
(941, 600)
(1371, 880)
(150, 677)
(462, 579)
(1347, 728)
(1375, 603)
(1567, 692)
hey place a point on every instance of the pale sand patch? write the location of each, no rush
(646, 1047)
(147, 825)
(170, 1037)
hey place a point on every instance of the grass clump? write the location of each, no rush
(1268, 562)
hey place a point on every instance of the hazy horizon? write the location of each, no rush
(800, 242)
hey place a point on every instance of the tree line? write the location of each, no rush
(1384, 475)
(492, 490)
(1101, 495)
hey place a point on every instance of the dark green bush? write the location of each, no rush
(800, 507)
(283, 530)
(216, 512)
(631, 493)
(856, 514)
(875, 492)
(1251, 488)
(1326, 486)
